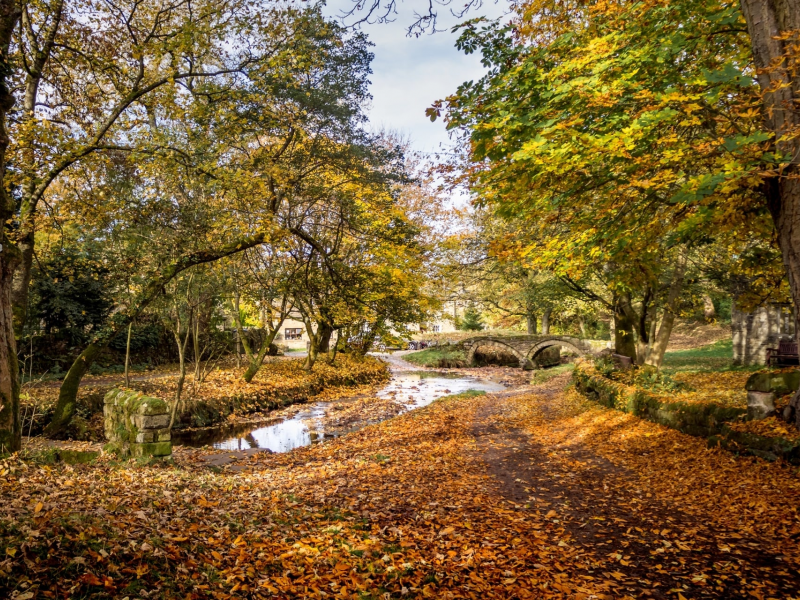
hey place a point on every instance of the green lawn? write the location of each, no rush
(713, 357)
(439, 357)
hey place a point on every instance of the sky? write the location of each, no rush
(410, 73)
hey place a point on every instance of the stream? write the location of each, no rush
(409, 388)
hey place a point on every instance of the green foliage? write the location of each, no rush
(144, 336)
(70, 294)
(644, 377)
(464, 394)
(472, 320)
(653, 379)
(544, 375)
(613, 136)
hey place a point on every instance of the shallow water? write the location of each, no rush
(411, 389)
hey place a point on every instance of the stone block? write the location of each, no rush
(153, 435)
(150, 421)
(780, 383)
(137, 424)
(760, 405)
(151, 449)
(77, 457)
(152, 406)
(146, 436)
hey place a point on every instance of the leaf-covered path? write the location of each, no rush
(650, 544)
(517, 496)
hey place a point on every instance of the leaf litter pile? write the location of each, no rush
(539, 495)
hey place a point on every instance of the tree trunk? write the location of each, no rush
(68, 394)
(10, 255)
(546, 321)
(181, 368)
(324, 332)
(333, 350)
(709, 312)
(659, 345)
(237, 348)
(198, 352)
(774, 27)
(22, 282)
(241, 341)
(624, 341)
(531, 318)
(258, 360)
(313, 345)
(128, 355)
(313, 351)
(652, 335)
(10, 431)
(582, 325)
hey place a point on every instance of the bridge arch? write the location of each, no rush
(494, 344)
(563, 342)
(526, 347)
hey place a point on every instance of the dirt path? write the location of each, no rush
(653, 547)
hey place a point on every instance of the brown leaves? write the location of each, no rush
(432, 522)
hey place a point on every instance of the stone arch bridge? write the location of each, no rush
(527, 347)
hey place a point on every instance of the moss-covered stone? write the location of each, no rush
(779, 383)
(136, 424)
(77, 457)
(151, 449)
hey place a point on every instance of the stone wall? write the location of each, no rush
(137, 425)
(754, 332)
(710, 421)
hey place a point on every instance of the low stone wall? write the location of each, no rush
(701, 420)
(136, 425)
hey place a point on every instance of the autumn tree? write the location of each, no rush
(10, 256)
(234, 159)
(774, 29)
(615, 140)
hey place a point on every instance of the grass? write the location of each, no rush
(713, 357)
(544, 375)
(440, 356)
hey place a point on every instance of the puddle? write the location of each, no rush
(410, 389)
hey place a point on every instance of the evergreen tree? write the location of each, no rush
(472, 320)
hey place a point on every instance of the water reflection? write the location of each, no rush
(281, 437)
(412, 389)
(415, 389)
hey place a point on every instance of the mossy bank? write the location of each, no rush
(713, 421)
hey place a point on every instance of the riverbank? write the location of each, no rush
(333, 412)
(222, 396)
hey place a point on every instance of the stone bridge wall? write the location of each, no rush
(526, 347)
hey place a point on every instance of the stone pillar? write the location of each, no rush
(136, 425)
